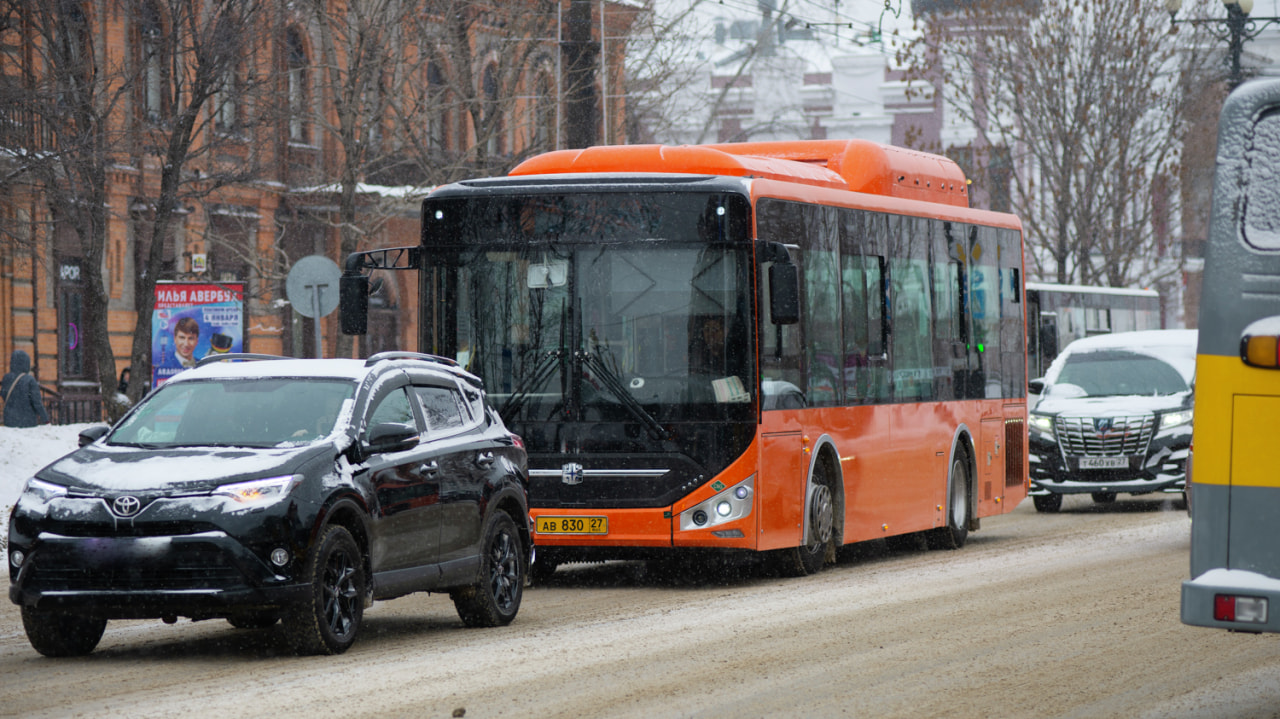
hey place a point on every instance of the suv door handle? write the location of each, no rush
(429, 468)
(485, 459)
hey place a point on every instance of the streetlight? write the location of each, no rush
(1238, 26)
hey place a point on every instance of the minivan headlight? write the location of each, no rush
(260, 491)
(1042, 423)
(1173, 419)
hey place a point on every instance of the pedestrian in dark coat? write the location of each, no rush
(21, 394)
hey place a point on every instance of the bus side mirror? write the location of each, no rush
(784, 293)
(353, 303)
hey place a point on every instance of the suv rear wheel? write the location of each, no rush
(494, 598)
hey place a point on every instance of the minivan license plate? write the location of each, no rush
(572, 525)
(1104, 463)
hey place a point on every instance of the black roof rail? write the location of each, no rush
(402, 354)
(236, 357)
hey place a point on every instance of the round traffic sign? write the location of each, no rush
(312, 286)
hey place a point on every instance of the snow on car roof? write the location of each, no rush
(1175, 347)
(337, 368)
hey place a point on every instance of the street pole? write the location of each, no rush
(1237, 27)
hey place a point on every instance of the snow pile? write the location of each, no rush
(23, 451)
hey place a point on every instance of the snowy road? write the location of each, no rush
(1067, 615)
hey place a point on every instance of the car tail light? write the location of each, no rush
(1232, 608)
(517, 440)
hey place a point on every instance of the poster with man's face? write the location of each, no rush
(191, 320)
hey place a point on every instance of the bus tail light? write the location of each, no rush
(1260, 343)
(1232, 608)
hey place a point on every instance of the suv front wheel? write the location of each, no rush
(328, 621)
(494, 598)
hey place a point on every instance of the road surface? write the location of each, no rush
(1072, 615)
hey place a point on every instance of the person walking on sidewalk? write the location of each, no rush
(20, 391)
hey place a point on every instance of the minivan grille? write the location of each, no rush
(1104, 436)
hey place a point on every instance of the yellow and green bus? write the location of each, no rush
(1234, 485)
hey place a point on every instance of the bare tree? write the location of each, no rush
(685, 73)
(61, 137)
(1084, 101)
(485, 94)
(206, 48)
(364, 59)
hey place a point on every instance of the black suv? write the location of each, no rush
(1114, 416)
(272, 489)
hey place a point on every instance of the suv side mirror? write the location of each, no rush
(1036, 386)
(93, 433)
(391, 437)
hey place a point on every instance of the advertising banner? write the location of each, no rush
(191, 320)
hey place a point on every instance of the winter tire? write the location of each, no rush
(494, 598)
(329, 620)
(1047, 503)
(58, 634)
(819, 526)
(956, 531)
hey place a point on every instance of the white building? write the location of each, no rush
(758, 70)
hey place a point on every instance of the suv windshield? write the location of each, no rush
(1111, 372)
(263, 412)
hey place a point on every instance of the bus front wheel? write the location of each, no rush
(819, 526)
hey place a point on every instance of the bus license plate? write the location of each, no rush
(572, 525)
(1104, 463)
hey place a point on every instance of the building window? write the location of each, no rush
(151, 62)
(437, 108)
(297, 88)
(227, 103)
(494, 144)
(230, 244)
(544, 130)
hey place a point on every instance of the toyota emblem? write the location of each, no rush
(571, 473)
(126, 506)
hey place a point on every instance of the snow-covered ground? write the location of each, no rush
(22, 452)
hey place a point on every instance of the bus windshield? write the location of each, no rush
(630, 328)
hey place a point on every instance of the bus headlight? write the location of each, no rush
(726, 506)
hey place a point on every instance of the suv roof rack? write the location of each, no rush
(402, 354)
(236, 357)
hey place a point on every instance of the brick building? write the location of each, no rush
(279, 114)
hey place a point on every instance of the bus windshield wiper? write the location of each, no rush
(532, 382)
(611, 382)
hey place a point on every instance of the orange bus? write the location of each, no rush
(765, 347)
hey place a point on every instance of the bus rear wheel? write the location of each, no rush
(956, 531)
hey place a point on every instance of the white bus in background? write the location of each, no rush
(1057, 315)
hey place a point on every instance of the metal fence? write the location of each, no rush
(73, 408)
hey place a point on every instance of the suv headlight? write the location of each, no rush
(1042, 423)
(260, 491)
(1173, 419)
(42, 491)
